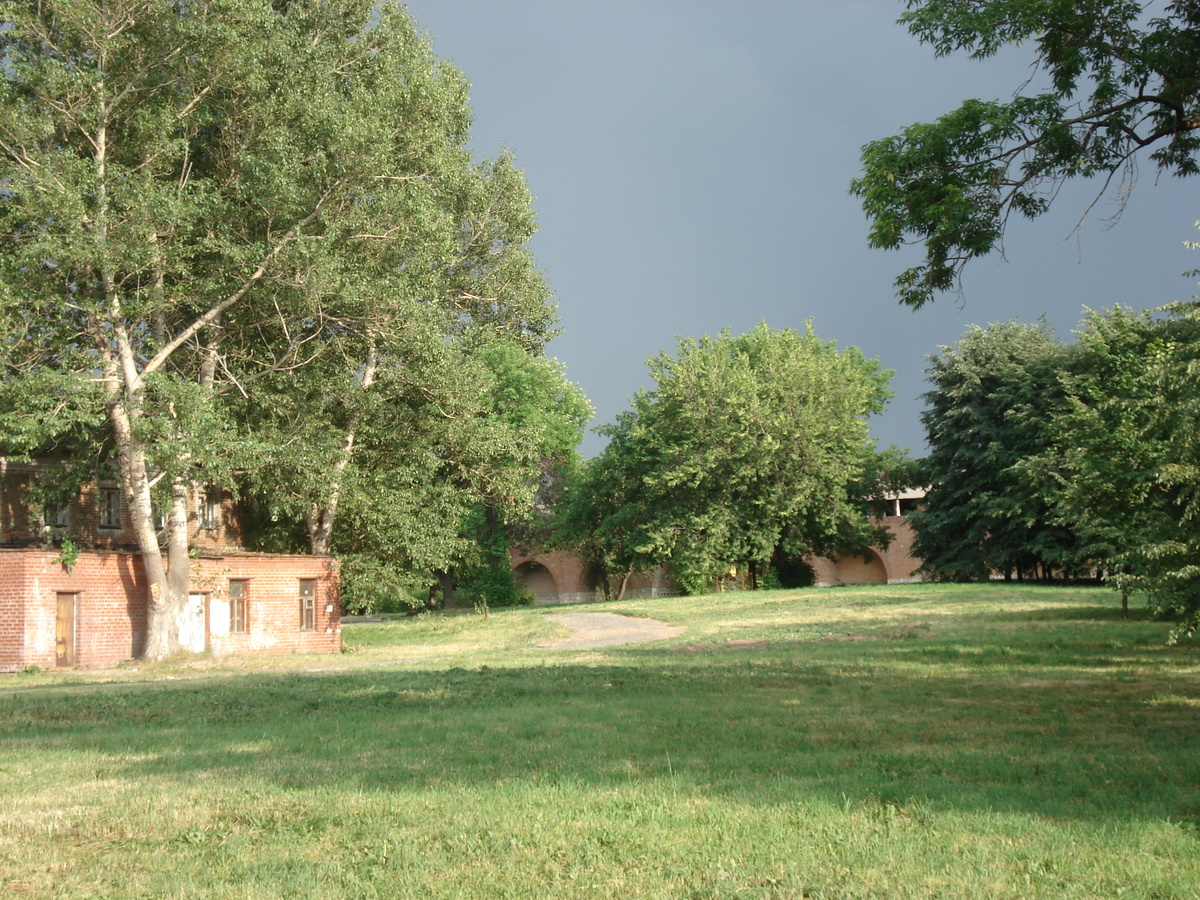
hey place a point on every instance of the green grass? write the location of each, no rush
(912, 741)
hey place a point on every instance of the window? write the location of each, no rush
(110, 507)
(237, 606)
(209, 512)
(308, 604)
(55, 516)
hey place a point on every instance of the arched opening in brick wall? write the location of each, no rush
(855, 569)
(534, 577)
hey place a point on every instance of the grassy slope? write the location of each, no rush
(913, 741)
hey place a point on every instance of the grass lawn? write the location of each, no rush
(907, 741)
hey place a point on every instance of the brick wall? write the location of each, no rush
(272, 596)
(558, 577)
(111, 595)
(894, 565)
(21, 522)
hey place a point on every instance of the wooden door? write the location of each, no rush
(64, 630)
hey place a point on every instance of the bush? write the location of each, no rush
(370, 587)
(497, 584)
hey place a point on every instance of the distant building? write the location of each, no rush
(894, 565)
(88, 608)
(558, 576)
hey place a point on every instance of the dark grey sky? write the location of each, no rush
(690, 162)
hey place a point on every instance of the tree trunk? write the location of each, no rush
(168, 584)
(321, 516)
(123, 389)
(447, 584)
(624, 583)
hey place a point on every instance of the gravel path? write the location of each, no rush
(608, 630)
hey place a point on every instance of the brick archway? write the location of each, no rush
(853, 568)
(893, 565)
(534, 577)
(554, 577)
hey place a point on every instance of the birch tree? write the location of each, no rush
(202, 197)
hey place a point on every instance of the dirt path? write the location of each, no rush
(608, 630)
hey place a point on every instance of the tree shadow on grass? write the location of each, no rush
(771, 726)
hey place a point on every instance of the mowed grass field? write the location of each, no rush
(910, 741)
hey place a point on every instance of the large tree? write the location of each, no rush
(1128, 452)
(746, 448)
(992, 408)
(1122, 79)
(200, 196)
(403, 381)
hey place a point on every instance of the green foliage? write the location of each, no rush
(248, 242)
(370, 586)
(1129, 453)
(1069, 458)
(994, 407)
(68, 553)
(492, 585)
(198, 199)
(486, 575)
(748, 446)
(1120, 83)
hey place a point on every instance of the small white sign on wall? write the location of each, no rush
(218, 617)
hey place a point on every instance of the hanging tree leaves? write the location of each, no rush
(1123, 81)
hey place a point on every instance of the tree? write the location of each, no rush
(993, 407)
(200, 198)
(745, 449)
(531, 399)
(1128, 453)
(407, 374)
(451, 443)
(1121, 83)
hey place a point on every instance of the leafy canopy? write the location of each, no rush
(992, 408)
(1122, 81)
(1128, 452)
(238, 236)
(747, 445)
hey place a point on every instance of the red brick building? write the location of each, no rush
(88, 608)
(894, 565)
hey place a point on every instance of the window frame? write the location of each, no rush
(239, 605)
(109, 504)
(56, 517)
(308, 604)
(208, 510)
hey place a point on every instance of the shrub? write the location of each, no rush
(370, 587)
